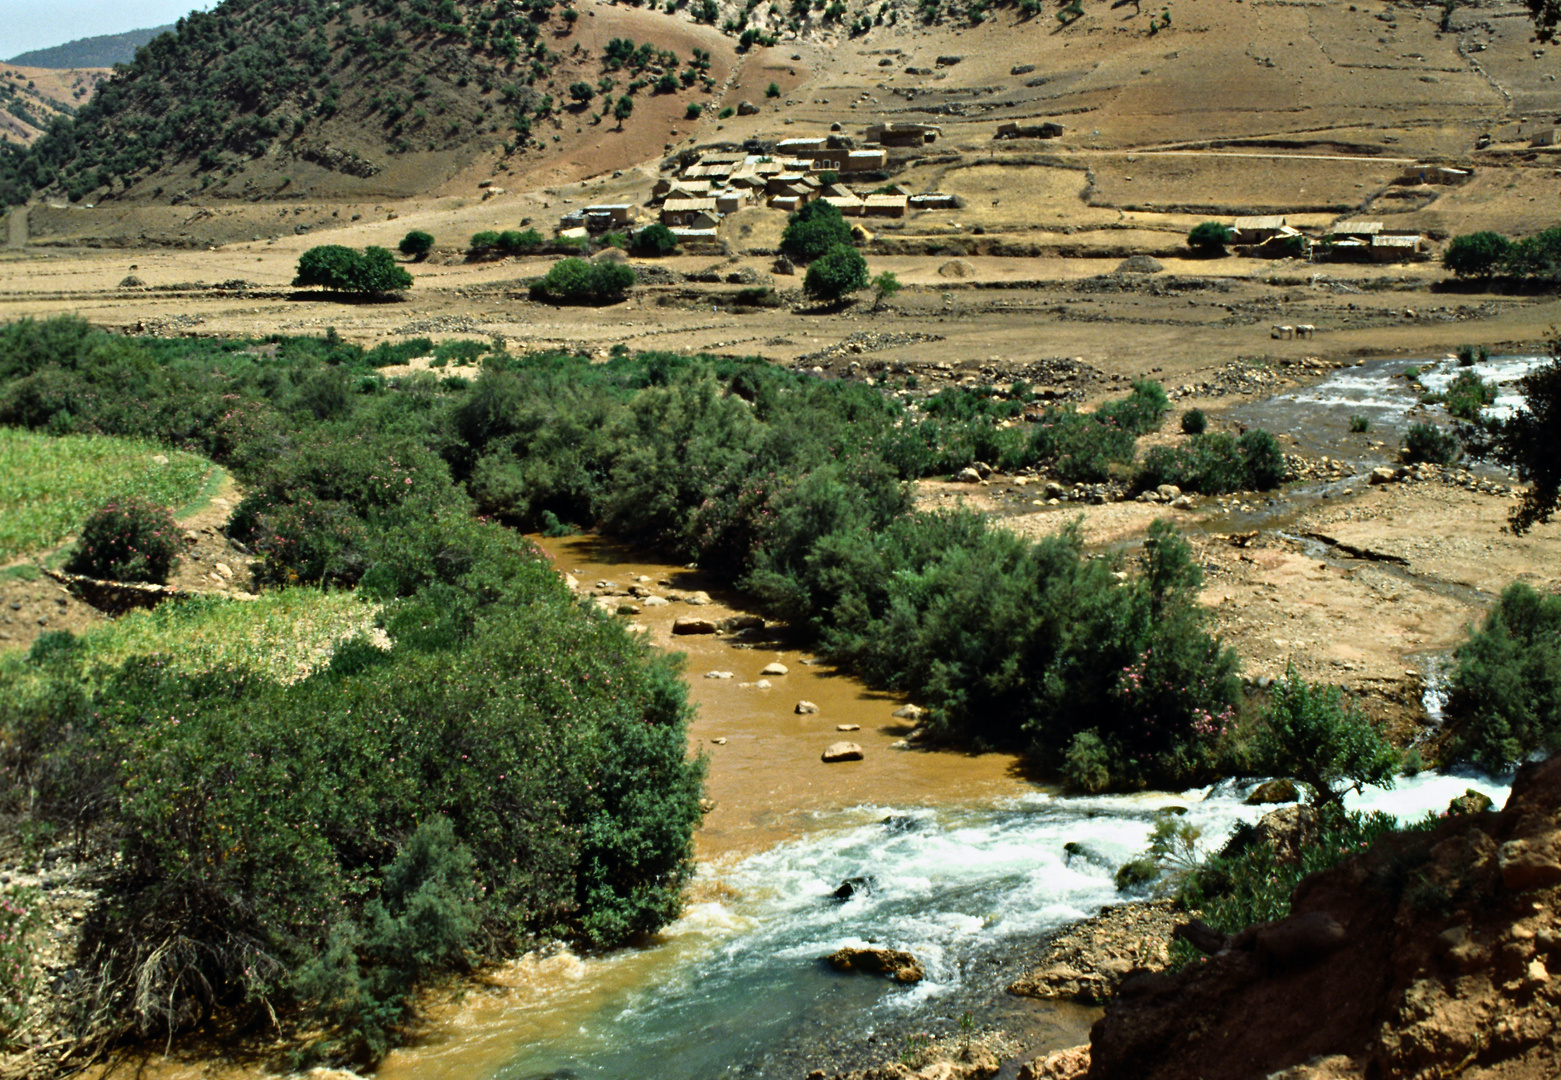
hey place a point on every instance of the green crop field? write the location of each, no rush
(48, 485)
(285, 634)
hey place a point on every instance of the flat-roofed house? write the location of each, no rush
(731, 201)
(1395, 248)
(884, 205)
(858, 161)
(903, 134)
(934, 200)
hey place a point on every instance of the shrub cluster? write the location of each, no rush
(1215, 463)
(512, 766)
(1489, 254)
(128, 540)
(497, 245)
(1504, 697)
(581, 281)
(1427, 442)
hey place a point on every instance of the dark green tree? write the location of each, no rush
(655, 239)
(1309, 733)
(1546, 15)
(622, 110)
(582, 91)
(1478, 254)
(840, 271)
(813, 230)
(416, 244)
(341, 269)
(1209, 238)
(1530, 442)
(579, 281)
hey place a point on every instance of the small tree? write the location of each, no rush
(416, 245)
(622, 110)
(885, 286)
(818, 227)
(582, 91)
(1478, 254)
(840, 271)
(1310, 734)
(131, 540)
(1209, 238)
(772, 91)
(655, 239)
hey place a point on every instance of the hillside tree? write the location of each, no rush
(840, 271)
(815, 229)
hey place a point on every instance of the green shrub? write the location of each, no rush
(1209, 238)
(1467, 394)
(1504, 696)
(1427, 442)
(772, 91)
(1468, 355)
(1307, 732)
(1194, 422)
(21, 919)
(655, 239)
(130, 540)
(578, 281)
(1478, 254)
(1140, 412)
(1085, 767)
(1215, 463)
(416, 244)
(695, 109)
(1359, 424)
(1248, 883)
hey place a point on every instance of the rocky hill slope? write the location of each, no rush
(1432, 955)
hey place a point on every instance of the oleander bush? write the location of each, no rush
(128, 540)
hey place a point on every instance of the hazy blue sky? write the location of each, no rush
(26, 25)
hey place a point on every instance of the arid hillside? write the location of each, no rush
(32, 97)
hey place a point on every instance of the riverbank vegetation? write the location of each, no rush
(493, 762)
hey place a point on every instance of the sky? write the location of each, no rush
(26, 25)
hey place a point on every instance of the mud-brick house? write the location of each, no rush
(1048, 129)
(903, 134)
(934, 200)
(884, 206)
(1255, 230)
(608, 216)
(730, 201)
(690, 189)
(792, 182)
(685, 211)
(1354, 230)
(1442, 175)
(1396, 248)
(861, 161)
(1546, 137)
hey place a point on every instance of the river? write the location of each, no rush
(961, 859)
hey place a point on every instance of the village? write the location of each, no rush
(698, 189)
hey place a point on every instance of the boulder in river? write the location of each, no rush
(774, 669)
(691, 625)
(853, 885)
(1273, 791)
(806, 708)
(842, 751)
(877, 960)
